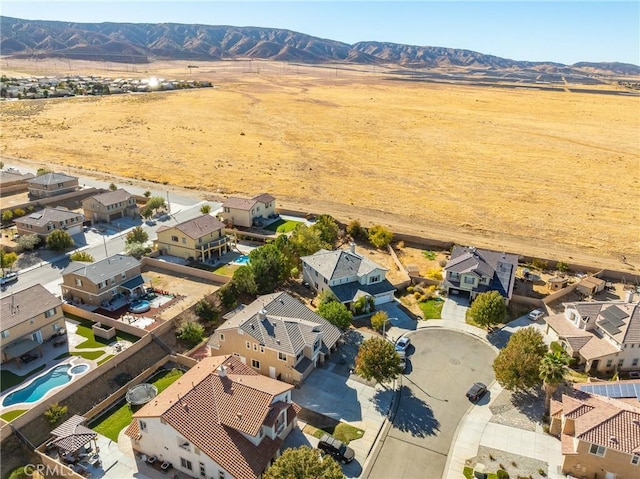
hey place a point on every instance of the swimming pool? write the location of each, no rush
(140, 306)
(244, 259)
(40, 386)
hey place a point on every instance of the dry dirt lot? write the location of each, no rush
(549, 174)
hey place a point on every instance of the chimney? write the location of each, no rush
(352, 247)
(222, 371)
(628, 296)
(262, 314)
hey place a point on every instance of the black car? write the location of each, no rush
(337, 449)
(476, 391)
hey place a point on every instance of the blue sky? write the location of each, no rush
(565, 32)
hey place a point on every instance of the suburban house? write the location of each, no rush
(110, 206)
(45, 221)
(276, 335)
(100, 283)
(599, 433)
(248, 212)
(12, 178)
(348, 275)
(51, 184)
(29, 317)
(602, 335)
(220, 420)
(471, 271)
(201, 238)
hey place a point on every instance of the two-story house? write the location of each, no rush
(348, 275)
(99, 283)
(29, 317)
(110, 206)
(602, 335)
(202, 238)
(11, 181)
(471, 271)
(45, 221)
(220, 420)
(276, 335)
(51, 184)
(599, 434)
(248, 212)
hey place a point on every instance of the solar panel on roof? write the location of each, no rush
(617, 312)
(608, 326)
(612, 317)
(35, 216)
(613, 390)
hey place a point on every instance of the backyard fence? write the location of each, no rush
(153, 263)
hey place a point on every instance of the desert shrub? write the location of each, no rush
(356, 231)
(82, 256)
(410, 289)
(7, 215)
(55, 413)
(190, 331)
(562, 266)
(18, 212)
(502, 474)
(430, 255)
(434, 273)
(442, 263)
(539, 264)
(417, 295)
(379, 236)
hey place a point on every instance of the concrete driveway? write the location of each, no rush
(500, 337)
(455, 308)
(398, 318)
(443, 365)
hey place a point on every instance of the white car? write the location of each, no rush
(402, 344)
(9, 278)
(535, 315)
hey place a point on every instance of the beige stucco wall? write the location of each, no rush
(592, 466)
(26, 328)
(39, 191)
(89, 292)
(187, 247)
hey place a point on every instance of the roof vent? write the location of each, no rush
(222, 371)
(352, 247)
(239, 416)
(636, 422)
(613, 439)
(262, 314)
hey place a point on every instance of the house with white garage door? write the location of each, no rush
(348, 275)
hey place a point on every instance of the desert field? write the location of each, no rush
(550, 174)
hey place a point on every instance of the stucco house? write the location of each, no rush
(276, 335)
(101, 282)
(45, 221)
(51, 184)
(12, 177)
(471, 271)
(202, 238)
(29, 317)
(602, 335)
(600, 434)
(110, 206)
(248, 212)
(348, 275)
(220, 420)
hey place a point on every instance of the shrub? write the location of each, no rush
(228, 295)
(539, 264)
(434, 273)
(82, 256)
(21, 473)
(556, 347)
(442, 263)
(379, 320)
(379, 236)
(417, 295)
(502, 474)
(55, 413)
(430, 255)
(190, 331)
(18, 212)
(410, 289)
(206, 311)
(7, 215)
(356, 231)
(562, 266)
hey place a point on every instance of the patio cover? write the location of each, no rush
(133, 283)
(72, 435)
(18, 349)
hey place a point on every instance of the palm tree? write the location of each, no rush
(552, 369)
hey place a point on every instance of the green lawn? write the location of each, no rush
(91, 355)
(11, 415)
(8, 379)
(431, 309)
(283, 226)
(343, 432)
(84, 330)
(227, 270)
(105, 359)
(111, 425)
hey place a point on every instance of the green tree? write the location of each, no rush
(562, 266)
(155, 203)
(336, 313)
(18, 212)
(306, 240)
(190, 331)
(29, 241)
(356, 231)
(517, 367)
(325, 297)
(146, 194)
(7, 215)
(146, 212)
(82, 256)
(59, 240)
(55, 413)
(244, 280)
(206, 311)
(379, 320)
(7, 260)
(304, 463)
(377, 359)
(268, 266)
(137, 250)
(290, 255)
(205, 209)
(379, 236)
(43, 171)
(488, 309)
(136, 235)
(113, 187)
(228, 294)
(328, 229)
(552, 369)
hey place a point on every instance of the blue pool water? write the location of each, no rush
(244, 259)
(79, 369)
(40, 386)
(140, 306)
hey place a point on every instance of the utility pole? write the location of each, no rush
(106, 255)
(168, 204)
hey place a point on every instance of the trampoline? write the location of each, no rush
(141, 394)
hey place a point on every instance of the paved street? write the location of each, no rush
(442, 366)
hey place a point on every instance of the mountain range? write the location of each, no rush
(145, 42)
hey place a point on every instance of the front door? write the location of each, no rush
(37, 337)
(272, 372)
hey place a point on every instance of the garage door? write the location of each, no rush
(383, 299)
(115, 216)
(74, 230)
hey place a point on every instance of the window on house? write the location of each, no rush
(374, 279)
(248, 345)
(50, 227)
(4, 334)
(635, 459)
(634, 362)
(597, 450)
(255, 346)
(184, 444)
(49, 313)
(113, 292)
(143, 426)
(282, 356)
(221, 336)
(316, 345)
(174, 238)
(186, 463)
(326, 281)
(299, 355)
(261, 348)
(609, 363)
(203, 471)
(184, 240)
(221, 475)
(620, 362)
(468, 280)
(255, 364)
(123, 275)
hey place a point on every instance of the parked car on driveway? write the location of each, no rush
(535, 314)
(476, 391)
(402, 344)
(339, 450)
(9, 278)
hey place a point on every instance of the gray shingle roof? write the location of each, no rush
(26, 304)
(51, 178)
(197, 227)
(49, 215)
(247, 203)
(112, 197)
(289, 325)
(340, 264)
(103, 269)
(351, 291)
